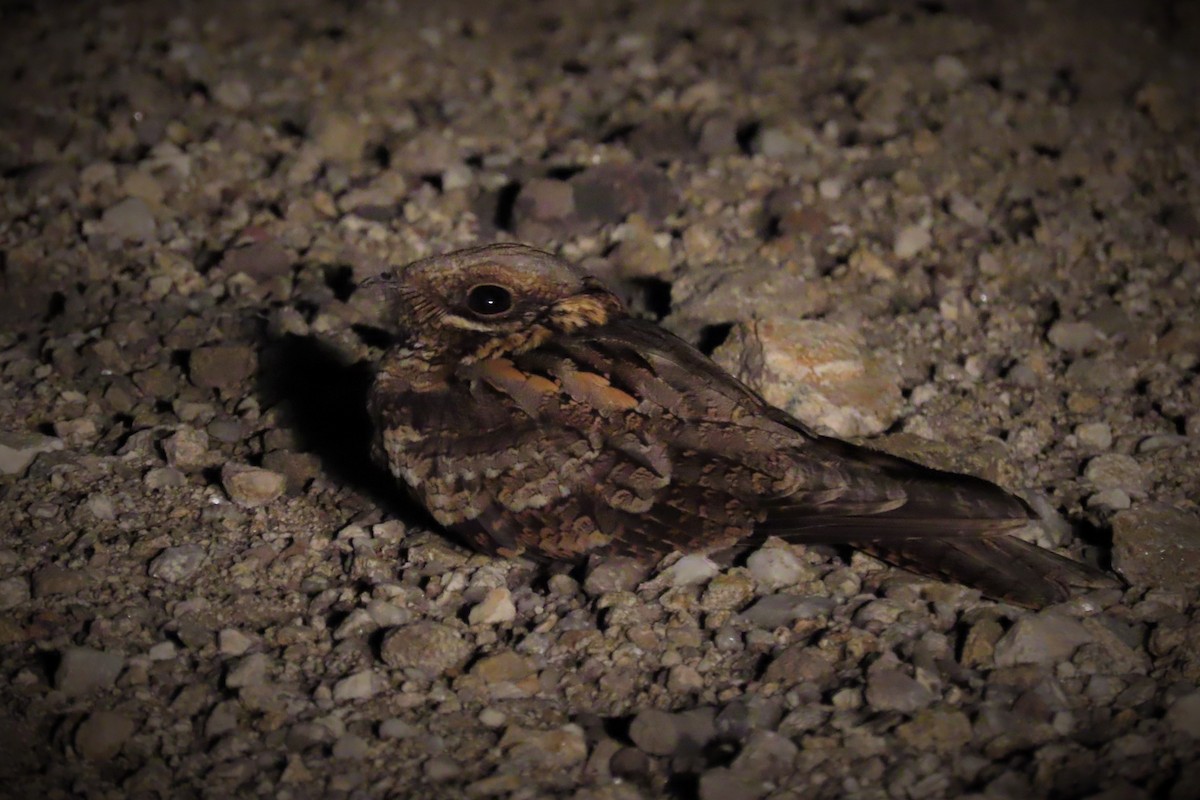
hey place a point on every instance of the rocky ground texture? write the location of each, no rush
(969, 230)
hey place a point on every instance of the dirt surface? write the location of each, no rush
(971, 230)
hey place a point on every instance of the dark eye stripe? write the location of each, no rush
(489, 300)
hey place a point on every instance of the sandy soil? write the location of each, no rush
(989, 217)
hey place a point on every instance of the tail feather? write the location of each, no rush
(950, 527)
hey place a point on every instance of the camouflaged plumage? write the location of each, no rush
(563, 426)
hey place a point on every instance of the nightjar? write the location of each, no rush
(529, 412)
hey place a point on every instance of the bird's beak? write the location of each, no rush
(386, 278)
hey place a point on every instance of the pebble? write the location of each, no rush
(691, 570)
(427, 647)
(892, 690)
(775, 568)
(820, 372)
(252, 487)
(221, 366)
(800, 664)
(911, 241)
(396, 728)
(186, 448)
(55, 580)
(1044, 638)
(545, 200)
(350, 748)
(766, 756)
(1075, 337)
(1157, 545)
(13, 592)
(102, 735)
(177, 564)
(18, 450)
(339, 136)
(1095, 435)
(234, 94)
(249, 670)
(164, 477)
(655, 732)
(728, 591)
(163, 651)
(1184, 715)
(262, 260)
(613, 574)
(506, 666)
(496, 608)
(129, 220)
(557, 748)
(232, 642)
(950, 71)
(1117, 471)
(937, 729)
(722, 783)
(774, 611)
(82, 670)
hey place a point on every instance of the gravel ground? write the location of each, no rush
(969, 232)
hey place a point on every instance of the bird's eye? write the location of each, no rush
(489, 300)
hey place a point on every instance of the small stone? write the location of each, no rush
(503, 667)
(18, 450)
(940, 730)
(129, 220)
(766, 756)
(164, 477)
(728, 591)
(358, 686)
(163, 651)
(221, 366)
(234, 94)
(186, 448)
(101, 506)
(691, 570)
(54, 580)
(491, 718)
(800, 664)
(1094, 435)
(557, 748)
(177, 564)
(1184, 715)
(1117, 471)
(261, 260)
(950, 71)
(640, 256)
(496, 608)
(351, 748)
(911, 240)
(655, 732)
(339, 136)
(777, 143)
(102, 735)
(684, 679)
(892, 690)
(82, 670)
(396, 728)
(776, 568)
(13, 592)
(1110, 500)
(606, 575)
(718, 136)
(774, 611)
(428, 647)
(1157, 545)
(545, 200)
(610, 192)
(250, 670)
(1075, 337)
(232, 642)
(722, 783)
(817, 371)
(252, 487)
(1044, 638)
(388, 615)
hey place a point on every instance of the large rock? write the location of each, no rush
(1157, 545)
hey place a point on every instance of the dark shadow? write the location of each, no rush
(323, 399)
